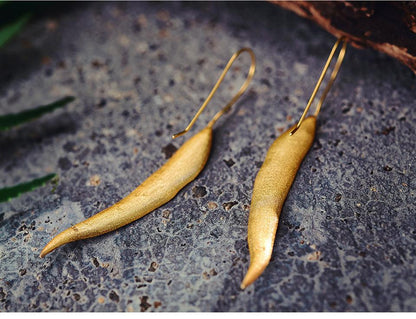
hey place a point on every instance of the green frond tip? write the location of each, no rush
(8, 31)
(8, 193)
(9, 120)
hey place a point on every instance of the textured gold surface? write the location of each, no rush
(160, 187)
(271, 187)
(165, 183)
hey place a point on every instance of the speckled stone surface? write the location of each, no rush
(346, 239)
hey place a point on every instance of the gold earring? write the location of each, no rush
(275, 177)
(160, 187)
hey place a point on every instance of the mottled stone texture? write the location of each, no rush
(346, 239)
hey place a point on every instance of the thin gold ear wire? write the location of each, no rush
(221, 78)
(330, 82)
(332, 78)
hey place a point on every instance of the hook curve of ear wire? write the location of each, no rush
(240, 92)
(276, 175)
(160, 187)
(321, 77)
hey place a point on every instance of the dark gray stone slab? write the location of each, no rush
(346, 239)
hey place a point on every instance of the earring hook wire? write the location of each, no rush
(227, 107)
(321, 77)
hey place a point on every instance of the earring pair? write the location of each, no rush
(271, 186)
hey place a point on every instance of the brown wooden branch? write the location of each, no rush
(389, 27)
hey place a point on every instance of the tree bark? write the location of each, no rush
(389, 27)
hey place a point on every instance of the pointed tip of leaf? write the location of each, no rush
(8, 31)
(61, 102)
(9, 120)
(8, 193)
